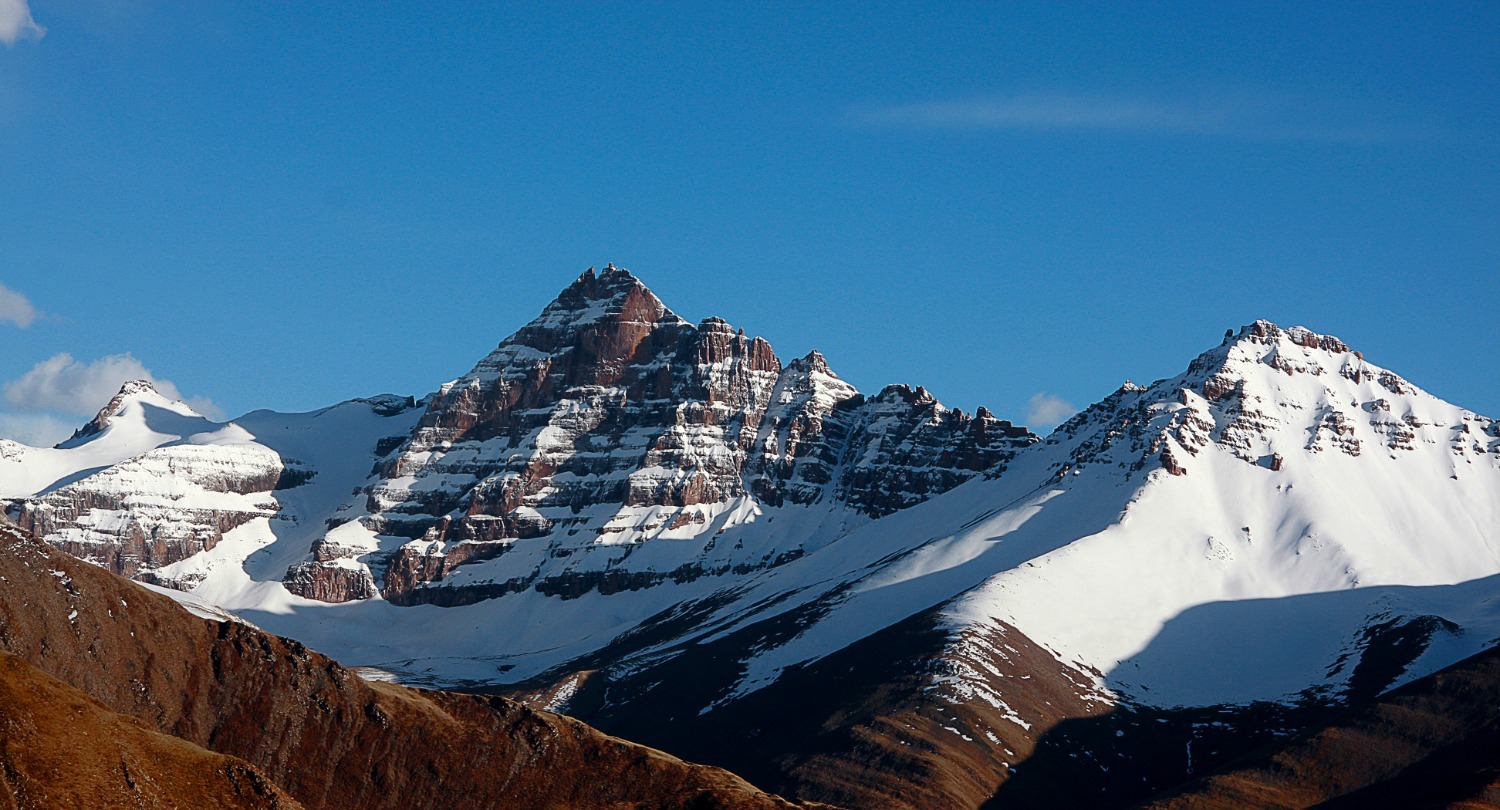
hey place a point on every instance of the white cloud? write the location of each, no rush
(1257, 117)
(16, 22)
(14, 308)
(63, 384)
(35, 429)
(1046, 410)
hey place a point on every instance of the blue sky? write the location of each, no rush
(283, 205)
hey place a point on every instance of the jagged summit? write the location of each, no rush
(605, 292)
(601, 317)
(613, 294)
(813, 362)
(1289, 350)
(1264, 331)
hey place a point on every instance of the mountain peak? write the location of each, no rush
(130, 391)
(1263, 345)
(609, 310)
(1265, 332)
(594, 286)
(133, 387)
(813, 363)
(613, 293)
(1270, 395)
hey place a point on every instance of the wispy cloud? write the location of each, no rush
(1227, 115)
(15, 308)
(16, 22)
(65, 385)
(1046, 410)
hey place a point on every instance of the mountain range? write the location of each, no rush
(666, 531)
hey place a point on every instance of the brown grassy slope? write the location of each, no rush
(1434, 742)
(329, 738)
(61, 748)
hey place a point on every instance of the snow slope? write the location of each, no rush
(149, 488)
(138, 419)
(1300, 468)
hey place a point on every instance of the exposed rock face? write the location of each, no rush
(608, 420)
(158, 508)
(321, 733)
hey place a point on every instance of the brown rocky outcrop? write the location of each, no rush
(322, 734)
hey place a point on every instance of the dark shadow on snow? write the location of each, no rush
(1137, 751)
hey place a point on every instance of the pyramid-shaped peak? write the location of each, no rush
(130, 391)
(594, 285)
(613, 293)
(607, 310)
(813, 363)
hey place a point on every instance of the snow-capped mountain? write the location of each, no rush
(663, 528)
(609, 423)
(150, 483)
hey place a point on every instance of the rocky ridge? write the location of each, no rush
(194, 481)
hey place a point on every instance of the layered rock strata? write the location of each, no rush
(609, 421)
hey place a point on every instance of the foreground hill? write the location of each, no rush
(61, 748)
(304, 724)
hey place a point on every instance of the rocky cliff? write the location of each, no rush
(609, 421)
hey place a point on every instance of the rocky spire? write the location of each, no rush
(604, 314)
